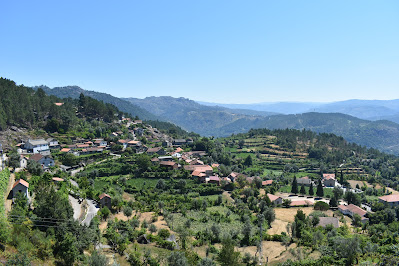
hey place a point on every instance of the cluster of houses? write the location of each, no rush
(328, 180)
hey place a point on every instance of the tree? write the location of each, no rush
(152, 228)
(303, 191)
(333, 202)
(66, 249)
(320, 191)
(127, 211)
(286, 203)
(227, 256)
(337, 193)
(294, 188)
(352, 198)
(341, 180)
(161, 185)
(177, 259)
(248, 160)
(311, 192)
(98, 259)
(206, 262)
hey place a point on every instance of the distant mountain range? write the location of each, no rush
(365, 109)
(355, 120)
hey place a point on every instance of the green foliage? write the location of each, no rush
(98, 259)
(294, 187)
(321, 206)
(177, 259)
(320, 191)
(227, 256)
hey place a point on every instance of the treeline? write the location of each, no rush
(24, 107)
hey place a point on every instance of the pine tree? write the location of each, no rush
(320, 191)
(294, 188)
(341, 180)
(311, 192)
(303, 191)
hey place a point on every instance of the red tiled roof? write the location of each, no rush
(272, 197)
(353, 209)
(58, 179)
(59, 104)
(301, 203)
(214, 178)
(22, 182)
(36, 157)
(267, 182)
(167, 163)
(65, 150)
(328, 176)
(390, 198)
(104, 195)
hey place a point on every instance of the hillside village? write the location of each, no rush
(120, 190)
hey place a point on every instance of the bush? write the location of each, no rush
(321, 206)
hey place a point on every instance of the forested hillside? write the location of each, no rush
(75, 91)
(24, 107)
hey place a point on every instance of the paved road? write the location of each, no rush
(91, 212)
(73, 182)
(77, 208)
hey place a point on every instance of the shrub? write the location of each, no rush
(321, 206)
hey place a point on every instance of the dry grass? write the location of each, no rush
(288, 214)
(271, 251)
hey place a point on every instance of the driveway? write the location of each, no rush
(92, 210)
(77, 208)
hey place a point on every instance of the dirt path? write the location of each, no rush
(8, 202)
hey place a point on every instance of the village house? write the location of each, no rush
(37, 146)
(275, 199)
(23, 162)
(43, 160)
(92, 150)
(306, 181)
(329, 180)
(351, 210)
(169, 165)
(206, 169)
(267, 183)
(213, 180)
(179, 142)
(157, 150)
(105, 200)
(100, 142)
(21, 186)
(53, 143)
(392, 200)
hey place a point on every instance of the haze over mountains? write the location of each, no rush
(355, 120)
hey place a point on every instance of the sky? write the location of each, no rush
(223, 51)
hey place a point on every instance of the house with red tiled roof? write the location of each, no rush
(44, 161)
(392, 200)
(267, 182)
(169, 164)
(214, 180)
(329, 180)
(58, 179)
(20, 186)
(105, 200)
(275, 199)
(351, 210)
(157, 150)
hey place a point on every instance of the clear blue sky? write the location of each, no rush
(220, 51)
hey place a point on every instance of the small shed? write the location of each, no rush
(21, 186)
(105, 200)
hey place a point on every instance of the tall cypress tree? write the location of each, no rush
(320, 191)
(311, 192)
(341, 180)
(303, 191)
(294, 188)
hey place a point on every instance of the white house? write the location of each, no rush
(37, 146)
(44, 161)
(3, 161)
(23, 162)
(53, 143)
(21, 186)
(100, 142)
